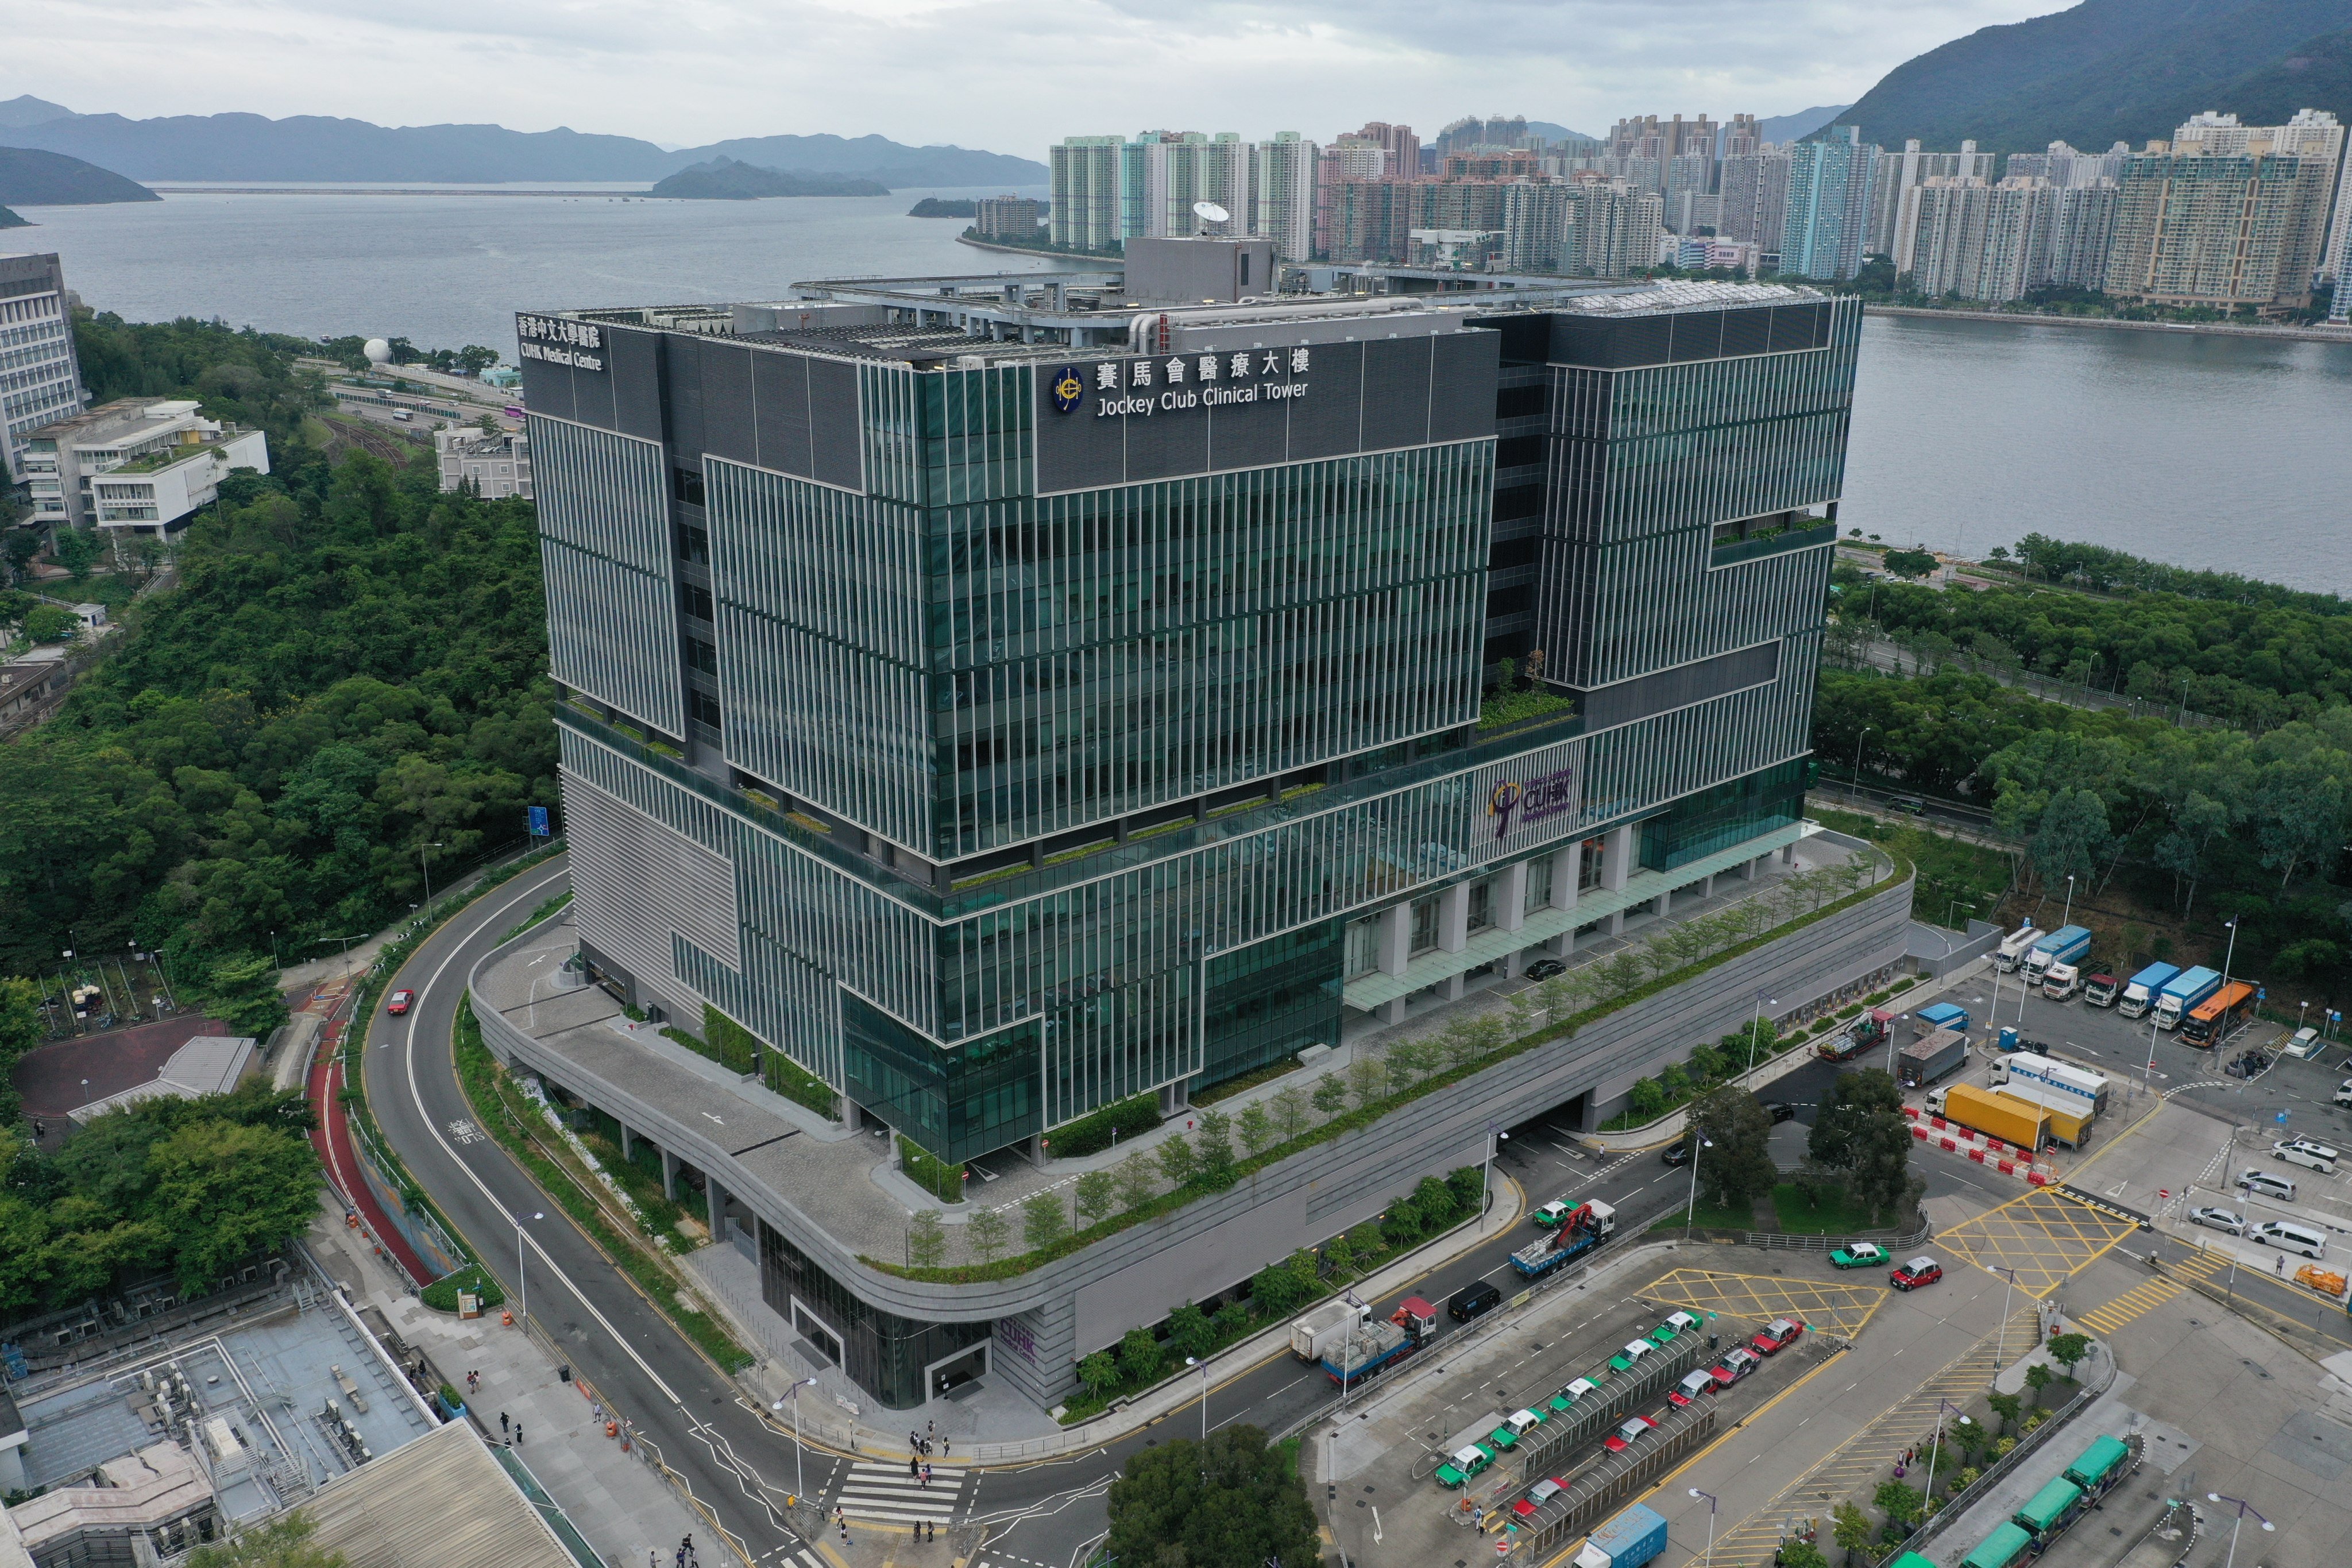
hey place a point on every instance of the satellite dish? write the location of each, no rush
(1210, 212)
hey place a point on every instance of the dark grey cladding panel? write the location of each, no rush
(1396, 391)
(634, 357)
(1462, 386)
(1164, 445)
(546, 389)
(1641, 340)
(682, 387)
(1748, 331)
(1324, 423)
(1628, 700)
(727, 402)
(780, 390)
(1526, 340)
(1698, 334)
(1238, 438)
(1799, 326)
(836, 433)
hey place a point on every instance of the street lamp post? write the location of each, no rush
(522, 1270)
(1196, 1361)
(1690, 1213)
(1899, 1018)
(1935, 1448)
(1494, 1134)
(425, 860)
(2232, 923)
(1711, 1500)
(1756, 1025)
(800, 1477)
(2010, 1276)
(1856, 785)
(2244, 1507)
(2068, 917)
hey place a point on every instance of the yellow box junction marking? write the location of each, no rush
(2043, 1236)
(1823, 1305)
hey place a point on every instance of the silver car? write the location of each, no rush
(2220, 1219)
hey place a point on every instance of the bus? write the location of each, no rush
(2004, 1548)
(2048, 1511)
(2218, 1013)
(2100, 1466)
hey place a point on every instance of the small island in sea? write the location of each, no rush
(935, 207)
(724, 179)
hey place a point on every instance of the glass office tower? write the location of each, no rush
(1001, 708)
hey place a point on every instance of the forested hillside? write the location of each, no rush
(351, 677)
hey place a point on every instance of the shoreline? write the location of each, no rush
(2218, 328)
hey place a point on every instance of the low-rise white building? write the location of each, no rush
(495, 465)
(139, 465)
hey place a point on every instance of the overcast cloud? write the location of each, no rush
(1008, 75)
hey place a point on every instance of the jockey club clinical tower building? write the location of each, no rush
(1003, 697)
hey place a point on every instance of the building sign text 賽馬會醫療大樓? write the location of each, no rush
(556, 340)
(1174, 384)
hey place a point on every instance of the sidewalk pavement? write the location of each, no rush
(617, 1502)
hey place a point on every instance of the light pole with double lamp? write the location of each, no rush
(794, 1393)
(522, 1271)
(1935, 1448)
(1711, 1501)
(2244, 1507)
(2009, 1275)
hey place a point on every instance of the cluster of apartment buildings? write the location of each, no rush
(2222, 214)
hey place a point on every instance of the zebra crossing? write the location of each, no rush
(887, 1494)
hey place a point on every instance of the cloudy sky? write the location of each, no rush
(1009, 75)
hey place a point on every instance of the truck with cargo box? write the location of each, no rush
(2139, 991)
(2061, 980)
(1937, 1055)
(1940, 1015)
(2182, 993)
(1996, 1115)
(1314, 1333)
(2079, 1081)
(2014, 947)
(2067, 944)
(2100, 990)
(2070, 1115)
(1369, 1350)
(1632, 1539)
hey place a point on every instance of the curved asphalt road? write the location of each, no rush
(740, 1469)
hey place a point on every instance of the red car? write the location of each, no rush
(1628, 1434)
(1779, 1331)
(399, 1001)
(1737, 1364)
(1693, 1384)
(1537, 1494)
(1917, 1272)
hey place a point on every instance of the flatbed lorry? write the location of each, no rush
(1368, 1351)
(1587, 1226)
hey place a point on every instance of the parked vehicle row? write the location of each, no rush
(1467, 1462)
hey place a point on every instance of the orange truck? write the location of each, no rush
(1997, 1115)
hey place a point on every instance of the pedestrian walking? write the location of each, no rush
(502, 1423)
(931, 1428)
(599, 1410)
(944, 1447)
(914, 1467)
(563, 1372)
(518, 1434)
(913, 1442)
(2282, 1265)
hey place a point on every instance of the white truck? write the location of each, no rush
(2031, 1066)
(1318, 1333)
(2014, 947)
(2061, 981)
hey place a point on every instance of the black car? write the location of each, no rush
(1779, 1110)
(1473, 1302)
(1545, 968)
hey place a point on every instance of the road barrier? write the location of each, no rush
(1991, 1152)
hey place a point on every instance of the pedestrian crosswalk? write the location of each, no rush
(2105, 1319)
(887, 1494)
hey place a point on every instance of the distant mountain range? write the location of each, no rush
(10, 220)
(725, 179)
(308, 147)
(1798, 126)
(37, 179)
(2113, 70)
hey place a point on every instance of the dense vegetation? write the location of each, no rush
(350, 679)
(2173, 826)
(188, 1186)
(1235, 1503)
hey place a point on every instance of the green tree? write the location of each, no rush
(242, 993)
(1853, 1098)
(1255, 1126)
(1796, 1554)
(1646, 1101)
(1136, 1182)
(2072, 837)
(1289, 1107)
(21, 1028)
(1368, 1080)
(2068, 1351)
(1849, 1528)
(1140, 1357)
(228, 1191)
(1232, 1320)
(23, 545)
(1189, 1332)
(986, 1232)
(1216, 1150)
(1236, 1503)
(2037, 1378)
(1098, 1194)
(1900, 1503)
(1178, 1162)
(1278, 1289)
(1099, 1373)
(281, 1543)
(2007, 1407)
(1739, 1169)
(52, 623)
(1043, 1220)
(927, 1239)
(1331, 1094)
(1468, 1186)
(77, 550)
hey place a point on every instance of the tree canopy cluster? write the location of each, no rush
(1235, 1503)
(244, 376)
(192, 1188)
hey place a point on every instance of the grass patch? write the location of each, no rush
(442, 1294)
(1707, 1216)
(1093, 1134)
(1518, 707)
(1246, 1081)
(489, 1091)
(640, 1177)
(927, 1170)
(1837, 1214)
(537, 915)
(1956, 878)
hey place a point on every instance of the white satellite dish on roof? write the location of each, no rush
(1211, 212)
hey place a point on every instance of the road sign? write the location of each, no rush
(2279, 1118)
(539, 828)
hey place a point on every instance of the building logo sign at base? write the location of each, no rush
(1140, 388)
(1523, 803)
(1069, 389)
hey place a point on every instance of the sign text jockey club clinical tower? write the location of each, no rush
(1004, 696)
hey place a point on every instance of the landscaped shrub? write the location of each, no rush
(797, 1084)
(442, 1294)
(1093, 1134)
(932, 1174)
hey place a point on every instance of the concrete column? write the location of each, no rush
(1617, 858)
(1567, 875)
(1788, 854)
(1511, 897)
(1392, 1012)
(1707, 889)
(1617, 923)
(717, 1198)
(1562, 945)
(628, 1141)
(1454, 988)
(669, 1175)
(1454, 918)
(1512, 961)
(1659, 905)
(1748, 868)
(1396, 937)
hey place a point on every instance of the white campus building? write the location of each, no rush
(141, 465)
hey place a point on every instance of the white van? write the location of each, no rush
(2268, 1186)
(2289, 1237)
(2309, 1159)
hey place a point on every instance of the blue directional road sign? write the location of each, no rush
(539, 828)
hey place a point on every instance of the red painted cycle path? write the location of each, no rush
(332, 1139)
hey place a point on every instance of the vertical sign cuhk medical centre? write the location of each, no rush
(1526, 801)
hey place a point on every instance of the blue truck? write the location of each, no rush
(1940, 1015)
(2067, 944)
(2182, 993)
(2140, 990)
(1629, 1541)
(1589, 1225)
